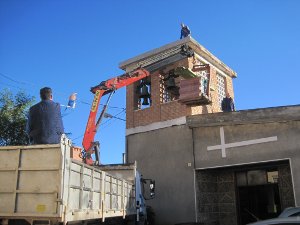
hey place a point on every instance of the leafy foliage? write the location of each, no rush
(13, 116)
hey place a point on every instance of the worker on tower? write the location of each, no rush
(44, 124)
(185, 31)
(228, 103)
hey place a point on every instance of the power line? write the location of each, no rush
(123, 111)
(112, 107)
(16, 81)
(11, 86)
(80, 101)
(113, 119)
(27, 83)
(107, 115)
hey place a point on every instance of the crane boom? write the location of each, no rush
(100, 90)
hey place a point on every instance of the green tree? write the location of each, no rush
(13, 116)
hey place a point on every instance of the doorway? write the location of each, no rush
(258, 203)
(258, 195)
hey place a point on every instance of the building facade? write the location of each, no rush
(209, 166)
(222, 168)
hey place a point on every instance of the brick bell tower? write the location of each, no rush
(186, 79)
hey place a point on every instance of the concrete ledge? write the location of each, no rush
(252, 116)
(156, 126)
(199, 49)
(156, 51)
(129, 166)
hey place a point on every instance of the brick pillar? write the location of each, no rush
(214, 93)
(129, 105)
(229, 86)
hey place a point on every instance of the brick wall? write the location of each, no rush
(129, 105)
(159, 111)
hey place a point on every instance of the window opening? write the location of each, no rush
(169, 87)
(256, 177)
(272, 176)
(221, 88)
(258, 194)
(143, 91)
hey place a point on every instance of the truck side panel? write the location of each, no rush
(42, 182)
(30, 183)
(96, 194)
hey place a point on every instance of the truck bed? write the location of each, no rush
(42, 182)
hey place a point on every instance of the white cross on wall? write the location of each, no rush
(223, 146)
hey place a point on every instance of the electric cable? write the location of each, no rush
(123, 111)
(12, 79)
(111, 120)
(112, 107)
(11, 86)
(57, 91)
(108, 122)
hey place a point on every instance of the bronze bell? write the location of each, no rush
(145, 101)
(171, 85)
(144, 92)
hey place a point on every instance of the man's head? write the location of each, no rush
(227, 94)
(46, 93)
(182, 25)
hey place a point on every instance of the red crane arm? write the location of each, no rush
(104, 88)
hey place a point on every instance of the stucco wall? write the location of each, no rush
(164, 155)
(168, 154)
(278, 128)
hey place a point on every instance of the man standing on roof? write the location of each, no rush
(228, 103)
(185, 31)
(45, 124)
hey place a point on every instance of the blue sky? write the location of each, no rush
(74, 45)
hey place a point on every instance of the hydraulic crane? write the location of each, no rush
(106, 87)
(110, 86)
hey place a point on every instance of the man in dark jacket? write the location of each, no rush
(228, 104)
(45, 124)
(185, 31)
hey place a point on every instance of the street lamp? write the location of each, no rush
(107, 115)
